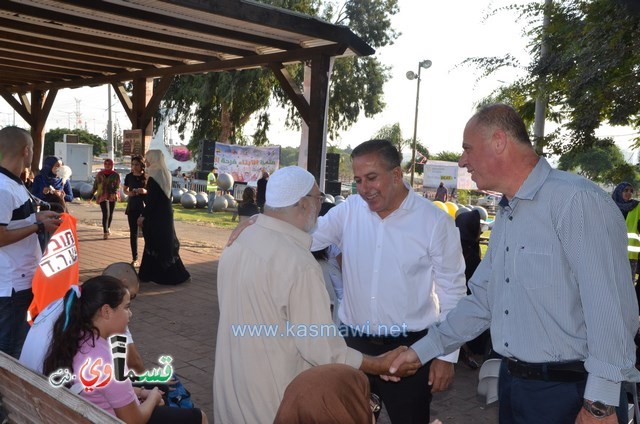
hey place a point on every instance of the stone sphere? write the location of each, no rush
(329, 198)
(462, 209)
(451, 208)
(231, 202)
(188, 201)
(219, 204)
(201, 200)
(483, 212)
(225, 181)
(75, 188)
(86, 191)
(177, 193)
(192, 192)
(441, 205)
(339, 199)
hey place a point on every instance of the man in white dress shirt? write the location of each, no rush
(403, 271)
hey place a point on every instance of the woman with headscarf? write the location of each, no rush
(161, 261)
(328, 394)
(48, 186)
(106, 189)
(622, 195)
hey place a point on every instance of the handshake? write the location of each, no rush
(392, 365)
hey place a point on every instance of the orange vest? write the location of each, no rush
(59, 268)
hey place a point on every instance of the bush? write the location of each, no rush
(181, 153)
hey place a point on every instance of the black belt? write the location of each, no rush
(407, 338)
(562, 372)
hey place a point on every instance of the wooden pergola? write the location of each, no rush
(47, 45)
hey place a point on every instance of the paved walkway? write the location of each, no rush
(181, 321)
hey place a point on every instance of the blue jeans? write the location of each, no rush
(13, 321)
(212, 197)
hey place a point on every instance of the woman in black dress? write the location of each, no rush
(134, 186)
(161, 261)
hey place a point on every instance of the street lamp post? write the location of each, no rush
(412, 75)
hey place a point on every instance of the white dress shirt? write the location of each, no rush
(402, 272)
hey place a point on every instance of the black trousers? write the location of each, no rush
(408, 400)
(107, 214)
(132, 218)
(524, 401)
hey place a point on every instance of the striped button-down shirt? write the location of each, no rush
(554, 285)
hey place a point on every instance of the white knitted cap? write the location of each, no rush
(288, 185)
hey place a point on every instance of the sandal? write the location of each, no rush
(106, 236)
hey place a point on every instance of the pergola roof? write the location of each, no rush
(53, 44)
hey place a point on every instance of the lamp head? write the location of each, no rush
(425, 64)
(411, 75)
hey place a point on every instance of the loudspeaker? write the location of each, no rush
(332, 166)
(206, 155)
(333, 188)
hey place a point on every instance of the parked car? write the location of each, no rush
(489, 200)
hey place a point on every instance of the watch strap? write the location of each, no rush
(41, 228)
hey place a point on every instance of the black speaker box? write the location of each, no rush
(332, 166)
(206, 155)
(333, 188)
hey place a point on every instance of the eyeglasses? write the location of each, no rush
(374, 403)
(318, 197)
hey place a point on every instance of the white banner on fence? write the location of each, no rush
(449, 173)
(246, 163)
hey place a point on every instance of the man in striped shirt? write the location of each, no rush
(19, 247)
(554, 286)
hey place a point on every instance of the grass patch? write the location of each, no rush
(198, 216)
(216, 219)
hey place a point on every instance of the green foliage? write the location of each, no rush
(218, 105)
(288, 156)
(602, 163)
(464, 196)
(590, 72)
(393, 133)
(57, 134)
(447, 156)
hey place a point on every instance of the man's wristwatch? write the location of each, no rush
(41, 228)
(598, 409)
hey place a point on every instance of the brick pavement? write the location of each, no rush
(182, 320)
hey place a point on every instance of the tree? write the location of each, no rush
(393, 133)
(57, 134)
(288, 156)
(447, 156)
(590, 72)
(601, 163)
(220, 104)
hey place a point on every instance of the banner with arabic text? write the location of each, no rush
(246, 163)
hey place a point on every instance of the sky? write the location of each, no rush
(444, 32)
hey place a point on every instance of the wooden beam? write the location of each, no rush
(125, 101)
(320, 66)
(16, 105)
(104, 26)
(97, 44)
(199, 68)
(185, 24)
(291, 88)
(159, 90)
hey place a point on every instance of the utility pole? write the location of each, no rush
(109, 125)
(541, 98)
